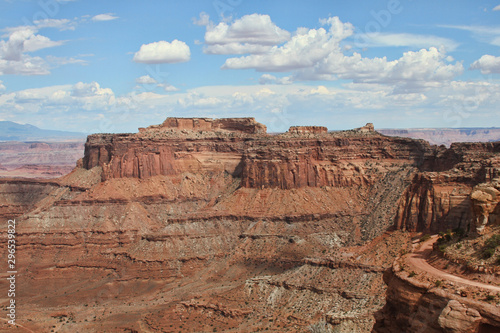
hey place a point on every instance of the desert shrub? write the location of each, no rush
(320, 327)
(425, 238)
(438, 283)
(493, 241)
(490, 246)
(488, 253)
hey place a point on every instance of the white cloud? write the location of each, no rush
(61, 24)
(26, 65)
(203, 20)
(163, 52)
(90, 89)
(413, 71)
(22, 40)
(496, 8)
(271, 79)
(168, 87)
(316, 54)
(2, 86)
(145, 79)
(484, 34)
(65, 60)
(306, 48)
(253, 33)
(409, 40)
(90, 107)
(487, 64)
(148, 80)
(104, 17)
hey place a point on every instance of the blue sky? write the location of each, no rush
(114, 66)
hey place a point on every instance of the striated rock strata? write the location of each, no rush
(200, 224)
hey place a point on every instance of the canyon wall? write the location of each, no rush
(198, 224)
(438, 198)
(417, 307)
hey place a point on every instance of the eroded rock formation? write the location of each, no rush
(414, 306)
(201, 223)
(485, 198)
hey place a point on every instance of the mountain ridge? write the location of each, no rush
(12, 131)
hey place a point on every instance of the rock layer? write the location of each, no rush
(198, 224)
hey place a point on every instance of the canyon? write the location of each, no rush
(33, 159)
(210, 225)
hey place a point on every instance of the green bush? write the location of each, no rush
(425, 237)
(488, 253)
(492, 242)
(490, 246)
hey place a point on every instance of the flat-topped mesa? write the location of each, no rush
(243, 125)
(308, 129)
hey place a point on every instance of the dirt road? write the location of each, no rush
(419, 257)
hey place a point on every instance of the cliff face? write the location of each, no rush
(198, 224)
(438, 197)
(305, 156)
(414, 306)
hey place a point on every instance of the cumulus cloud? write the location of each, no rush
(104, 17)
(148, 80)
(413, 71)
(496, 8)
(203, 20)
(26, 65)
(278, 106)
(90, 90)
(2, 87)
(487, 64)
(168, 87)
(20, 41)
(306, 48)
(163, 52)
(24, 39)
(316, 54)
(253, 33)
(145, 79)
(271, 79)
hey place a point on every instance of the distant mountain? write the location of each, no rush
(446, 136)
(10, 131)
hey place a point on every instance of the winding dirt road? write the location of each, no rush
(419, 257)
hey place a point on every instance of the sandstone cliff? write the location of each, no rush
(202, 223)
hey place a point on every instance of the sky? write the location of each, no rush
(116, 65)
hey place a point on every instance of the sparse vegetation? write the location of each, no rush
(490, 246)
(320, 327)
(425, 237)
(438, 283)
(450, 237)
